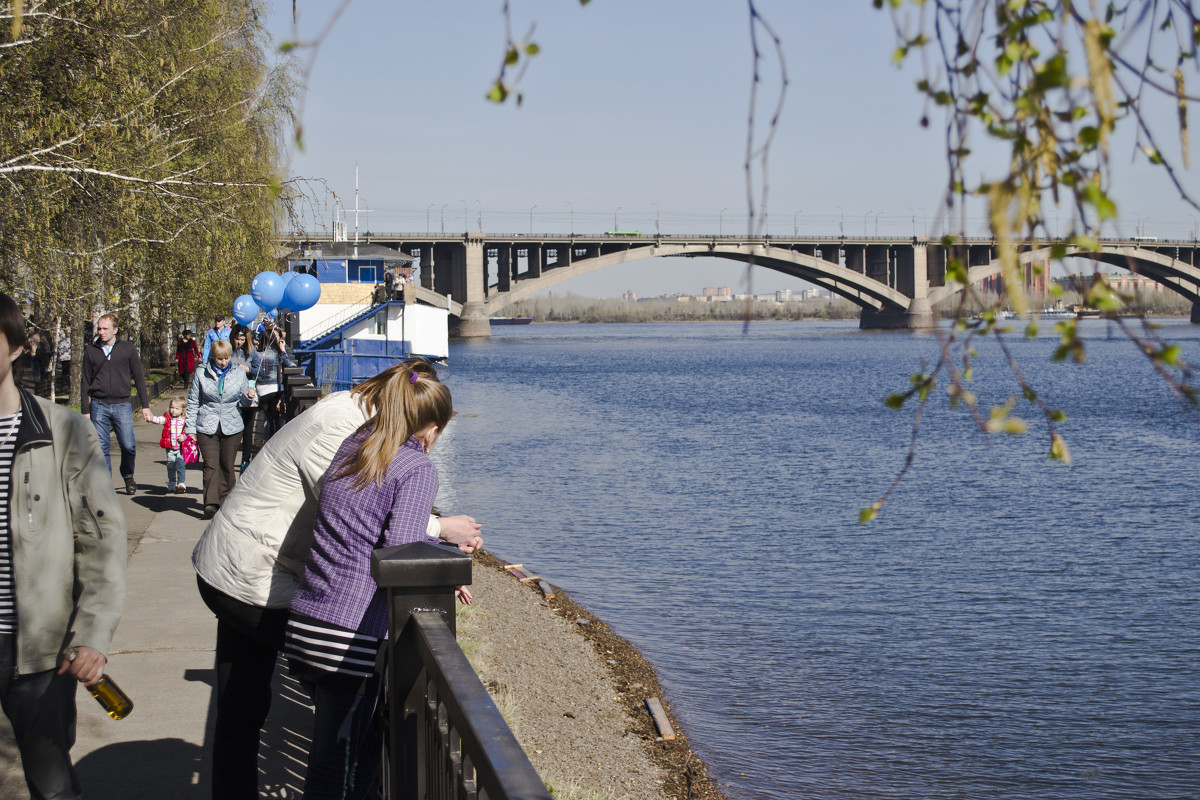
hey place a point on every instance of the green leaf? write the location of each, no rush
(511, 57)
(532, 49)
(869, 513)
(1096, 197)
(498, 93)
(895, 401)
(1058, 449)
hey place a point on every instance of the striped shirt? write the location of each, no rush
(8, 587)
(330, 648)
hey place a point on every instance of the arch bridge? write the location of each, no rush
(895, 281)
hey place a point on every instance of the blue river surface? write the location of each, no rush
(1009, 627)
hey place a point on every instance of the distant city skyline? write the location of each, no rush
(634, 117)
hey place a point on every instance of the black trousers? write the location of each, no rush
(248, 640)
(219, 452)
(41, 708)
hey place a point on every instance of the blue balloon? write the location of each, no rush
(267, 290)
(273, 313)
(286, 278)
(245, 309)
(303, 291)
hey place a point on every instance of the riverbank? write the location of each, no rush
(574, 694)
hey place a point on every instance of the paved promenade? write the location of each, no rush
(162, 656)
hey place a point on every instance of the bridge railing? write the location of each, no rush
(445, 738)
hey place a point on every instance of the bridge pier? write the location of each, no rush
(896, 319)
(1195, 314)
(473, 324)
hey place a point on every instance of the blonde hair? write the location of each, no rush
(399, 402)
(220, 349)
(177, 400)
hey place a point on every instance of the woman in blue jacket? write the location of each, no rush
(214, 418)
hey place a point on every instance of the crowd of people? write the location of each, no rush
(284, 563)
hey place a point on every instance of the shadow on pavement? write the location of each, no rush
(283, 753)
(156, 769)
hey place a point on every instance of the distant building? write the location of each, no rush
(630, 296)
(783, 296)
(717, 291)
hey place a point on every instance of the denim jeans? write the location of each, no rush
(344, 759)
(41, 707)
(176, 469)
(116, 417)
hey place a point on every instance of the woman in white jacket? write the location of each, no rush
(251, 559)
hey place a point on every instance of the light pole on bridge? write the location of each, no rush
(796, 225)
(444, 216)
(877, 213)
(572, 205)
(656, 214)
(866, 216)
(618, 208)
(721, 221)
(842, 224)
(531, 208)
(480, 218)
(431, 205)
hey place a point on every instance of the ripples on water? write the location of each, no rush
(1009, 627)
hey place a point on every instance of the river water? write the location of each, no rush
(1009, 627)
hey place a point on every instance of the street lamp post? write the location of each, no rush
(877, 213)
(480, 218)
(572, 205)
(656, 214)
(443, 213)
(721, 221)
(531, 208)
(431, 205)
(842, 224)
(796, 225)
(618, 208)
(866, 216)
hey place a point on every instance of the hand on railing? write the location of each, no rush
(461, 530)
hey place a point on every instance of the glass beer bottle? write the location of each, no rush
(111, 698)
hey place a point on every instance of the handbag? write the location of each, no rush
(188, 449)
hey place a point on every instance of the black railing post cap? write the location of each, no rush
(420, 564)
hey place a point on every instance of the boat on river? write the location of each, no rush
(511, 320)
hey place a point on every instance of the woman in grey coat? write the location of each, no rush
(214, 418)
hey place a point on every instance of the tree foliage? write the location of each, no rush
(1047, 83)
(140, 151)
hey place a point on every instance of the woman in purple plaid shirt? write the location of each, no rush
(378, 493)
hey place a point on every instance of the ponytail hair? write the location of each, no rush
(399, 402)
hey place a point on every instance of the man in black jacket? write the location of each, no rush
(110, 365)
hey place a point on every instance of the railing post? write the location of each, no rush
(416, 577)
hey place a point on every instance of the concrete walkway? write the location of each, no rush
(162, 656)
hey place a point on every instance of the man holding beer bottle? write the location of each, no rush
(62, 568)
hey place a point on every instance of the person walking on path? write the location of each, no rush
(378, 493)
(110, 365)
(62, 578)
(246, 358)
(273, 351)
(187, 353)
(218, 333)
(251, 557)
(172, 441)
(213, 418)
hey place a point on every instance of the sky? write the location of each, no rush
(634, 117)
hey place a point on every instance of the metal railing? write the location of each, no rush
(446, 740)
